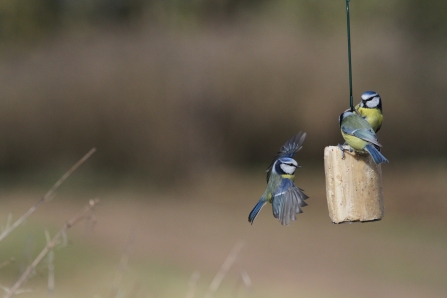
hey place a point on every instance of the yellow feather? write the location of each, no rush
(354, 142)
(285, 176)
(373, 116)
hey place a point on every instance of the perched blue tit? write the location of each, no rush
(370, 108)
(281, 192)
(359, 134)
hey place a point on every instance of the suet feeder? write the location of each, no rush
(353, 187)
(353, 183)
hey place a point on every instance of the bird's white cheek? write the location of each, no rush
(288, 169)
(373, 102)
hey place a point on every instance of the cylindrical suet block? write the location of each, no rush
(353, 186)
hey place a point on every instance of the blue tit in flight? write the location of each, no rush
(286, 199)
(359, 134)
(370, 108)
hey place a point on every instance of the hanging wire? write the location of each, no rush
(351, 101)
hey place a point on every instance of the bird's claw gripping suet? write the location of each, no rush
(343, 150)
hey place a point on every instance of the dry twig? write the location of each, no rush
(50, 264)
(224, 269)
(122, 267)
(9, 228)
(80, 216)
(193, 284)
(245, 280)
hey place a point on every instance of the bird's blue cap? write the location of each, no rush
(369, 94)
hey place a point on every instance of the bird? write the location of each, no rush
(370, 108)
(286, 198)
(359, 134)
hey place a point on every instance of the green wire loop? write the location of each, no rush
(351, 101)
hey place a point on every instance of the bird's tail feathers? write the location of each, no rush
(375, 154)
(256, 209)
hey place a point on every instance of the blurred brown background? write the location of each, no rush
(187, 102)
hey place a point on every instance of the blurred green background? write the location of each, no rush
(187, 102)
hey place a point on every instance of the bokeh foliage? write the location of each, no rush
(172, 86)
(28, 18)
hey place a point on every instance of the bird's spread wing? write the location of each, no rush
(288, 201)
(289, 149)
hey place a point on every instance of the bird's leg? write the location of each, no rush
(343, 150)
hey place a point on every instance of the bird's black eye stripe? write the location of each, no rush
(289, 164)
(370, 98)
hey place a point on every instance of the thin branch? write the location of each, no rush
(224, 269)
(247, 280)
(18, 291)
(193, 284)
(50, 264)
(122, 267)
(46, 197)
(80, 216)
(67, 174)
(243, 280)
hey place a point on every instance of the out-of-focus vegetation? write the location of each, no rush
(31, 19)
(174, 86)
(166, 236)
(171, 88)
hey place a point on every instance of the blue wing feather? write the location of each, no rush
(289, 149)
(288, 201)
(362, 133)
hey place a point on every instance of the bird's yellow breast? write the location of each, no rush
(373, 116)
(354, 142)
(285, 176)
